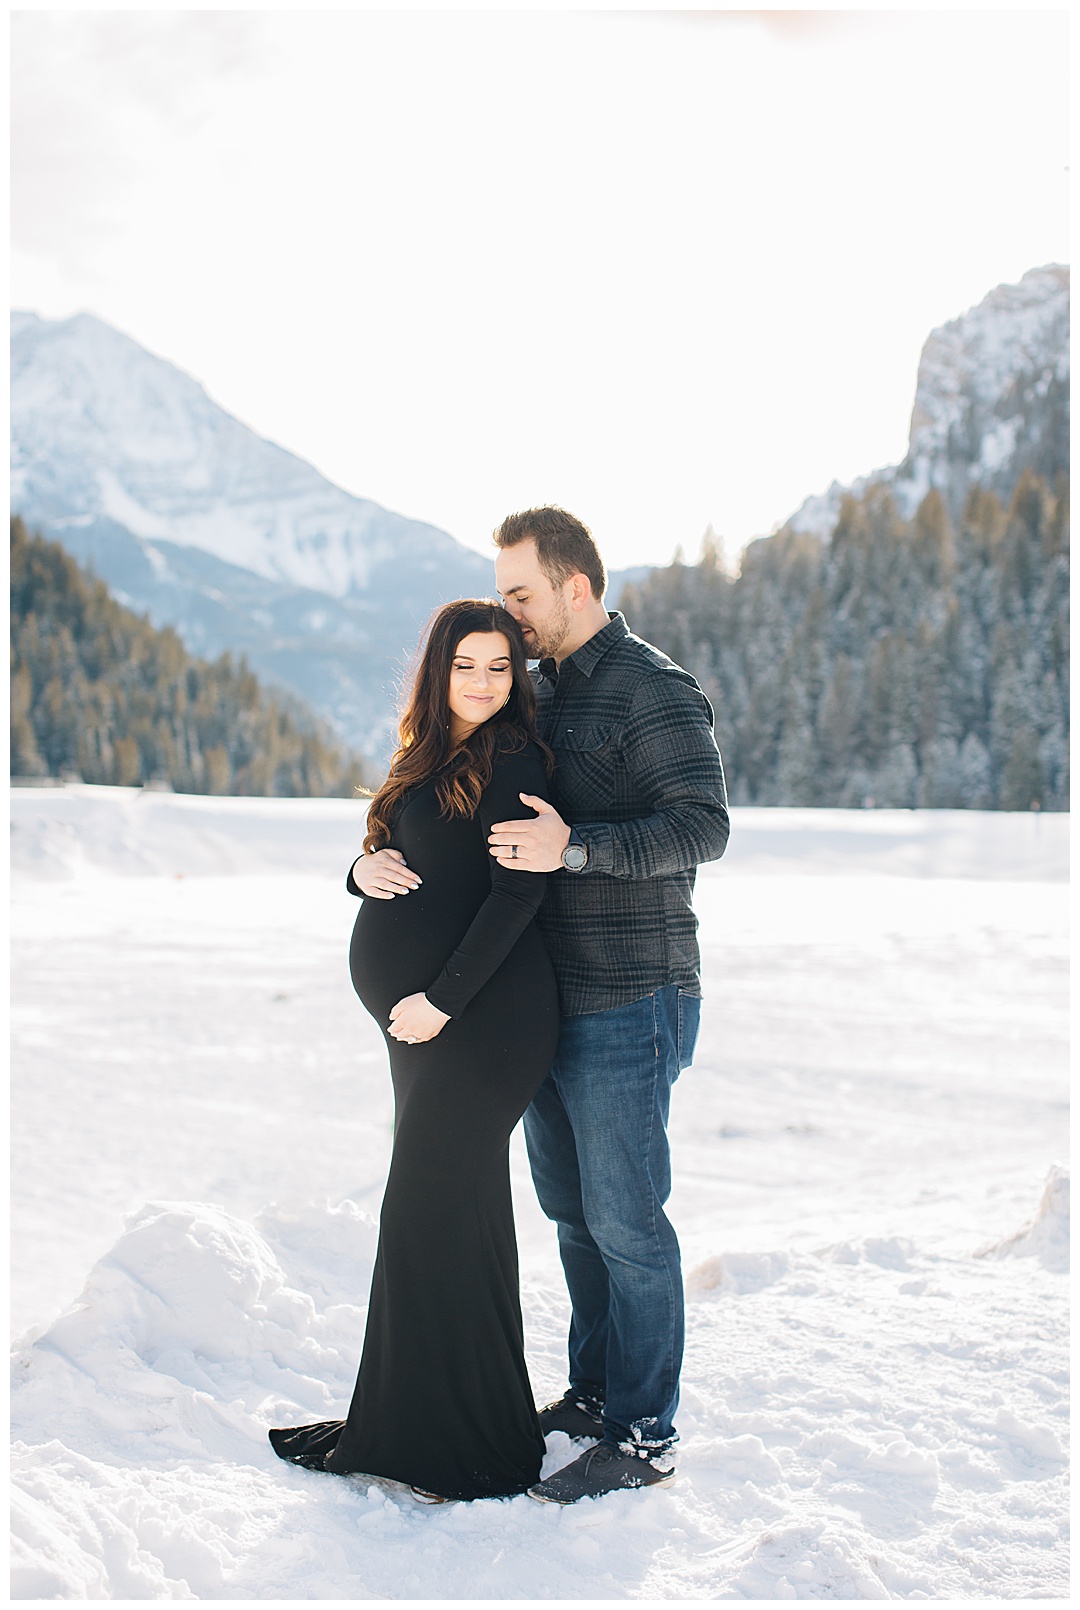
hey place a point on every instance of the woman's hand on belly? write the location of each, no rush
(382, 874)
(414, 1019)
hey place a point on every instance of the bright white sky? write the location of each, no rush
(666, 268)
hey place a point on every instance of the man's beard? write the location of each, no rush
(550, 634)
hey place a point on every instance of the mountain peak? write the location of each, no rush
(102, 428)
(187, 514)
(991, 400)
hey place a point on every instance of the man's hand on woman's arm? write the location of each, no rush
(533, 844)
(384, 874)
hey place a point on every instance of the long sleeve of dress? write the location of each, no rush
(515, 896)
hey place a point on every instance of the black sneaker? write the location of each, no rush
(603, 1469)
(572, 1415)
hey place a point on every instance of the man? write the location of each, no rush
(639, 803)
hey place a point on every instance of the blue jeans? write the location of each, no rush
(597, 1138)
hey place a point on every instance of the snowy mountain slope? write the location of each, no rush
(190, 517)
(343, 656)
(103, 428)
(992, 399)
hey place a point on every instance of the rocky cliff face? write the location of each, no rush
(992, 399)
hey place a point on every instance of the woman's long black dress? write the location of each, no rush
(443, 1400)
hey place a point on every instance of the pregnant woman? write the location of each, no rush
(456, 974)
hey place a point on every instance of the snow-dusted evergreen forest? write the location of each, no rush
(905, 641)
(920, 662)
(98, 692)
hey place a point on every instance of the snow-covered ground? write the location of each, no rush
(870, 1191)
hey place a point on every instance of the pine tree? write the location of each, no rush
(939, 782)
(976, 778)
(896, 782)
(1023, 784)
(26, 757)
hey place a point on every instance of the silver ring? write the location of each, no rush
(513, 852)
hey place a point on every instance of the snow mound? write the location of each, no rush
(191, 1327)
(743, 1273)
(1046, 1236)
(888, 1252)
(195, 1333)
(806, 1562)
(737, 1272)
(1032, 1438)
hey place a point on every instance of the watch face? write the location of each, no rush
(574, 857)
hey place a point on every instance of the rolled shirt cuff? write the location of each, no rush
(599, 840)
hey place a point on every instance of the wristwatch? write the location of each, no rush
(576, 855)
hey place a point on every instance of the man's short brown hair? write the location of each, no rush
(564, 547)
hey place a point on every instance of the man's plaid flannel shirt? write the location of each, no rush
(639, 776)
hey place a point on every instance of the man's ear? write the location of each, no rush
(580, 591)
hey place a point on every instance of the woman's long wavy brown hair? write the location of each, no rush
(425, 751)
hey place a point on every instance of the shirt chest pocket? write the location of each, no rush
(586, 760)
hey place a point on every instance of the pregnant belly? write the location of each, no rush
(400, 947)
